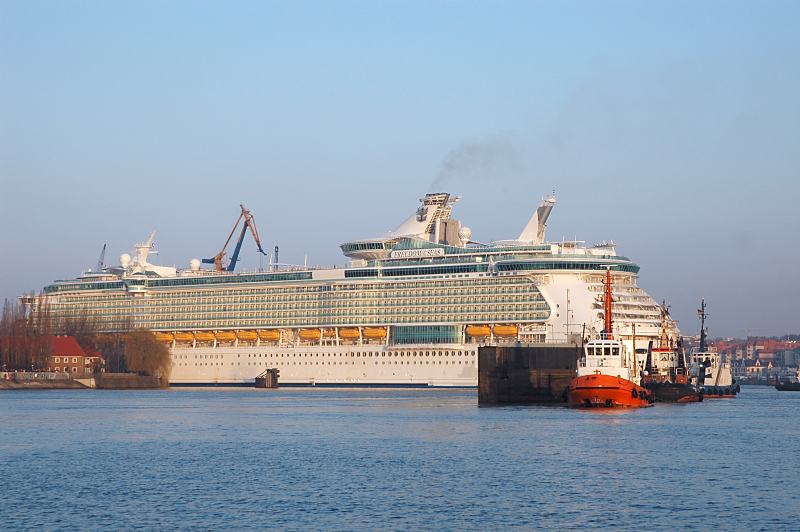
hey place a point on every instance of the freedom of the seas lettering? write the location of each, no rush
(417, 253)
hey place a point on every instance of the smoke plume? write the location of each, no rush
(489, 159)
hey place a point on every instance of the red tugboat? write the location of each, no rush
(606, 376)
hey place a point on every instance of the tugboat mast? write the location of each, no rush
(702, 313)
(607, 324)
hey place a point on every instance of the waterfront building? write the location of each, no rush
(67, 356)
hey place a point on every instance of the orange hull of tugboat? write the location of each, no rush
(605, 391)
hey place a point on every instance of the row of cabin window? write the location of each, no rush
(317, 363)
(66, 359)
(354, 354)
(357, 354)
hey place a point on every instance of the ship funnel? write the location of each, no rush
(534, 231)
(436, 206)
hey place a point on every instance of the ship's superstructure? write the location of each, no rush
(411, 308)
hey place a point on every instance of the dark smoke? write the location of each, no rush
(489, 159)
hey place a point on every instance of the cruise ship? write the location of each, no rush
(411, 308)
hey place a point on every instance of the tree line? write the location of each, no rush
(25, 344)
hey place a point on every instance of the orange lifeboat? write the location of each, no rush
(204, 336)
(349, 333)
(225, 336)
(184, 337)
(329, 333)
(605, 391)
(165, 337)
(270, 335)
(247, 336)
(505, 330)
(478, 331)
(374, 332)
(310, 334)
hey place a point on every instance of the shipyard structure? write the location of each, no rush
(412, 307)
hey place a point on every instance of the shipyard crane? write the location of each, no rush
(249, 222)
(101, 262)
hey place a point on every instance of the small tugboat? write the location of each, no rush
(713, 376)
(669, 383)
(606, 376)
(790, 386)
(665, 373)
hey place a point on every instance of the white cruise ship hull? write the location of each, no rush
(439, 365)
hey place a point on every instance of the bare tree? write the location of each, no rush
(23, 345)
(146, 355)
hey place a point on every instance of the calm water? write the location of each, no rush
(398, 459)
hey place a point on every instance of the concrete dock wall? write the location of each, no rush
(534, 373)
(126, 381)
(62, 381)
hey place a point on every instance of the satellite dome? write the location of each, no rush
(194, 264)
(465, 233)
(124, 260)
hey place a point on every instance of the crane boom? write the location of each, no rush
(249, 223)
(101, 261)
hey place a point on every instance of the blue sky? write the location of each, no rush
(672, 128)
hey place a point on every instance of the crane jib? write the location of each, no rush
(249, 223)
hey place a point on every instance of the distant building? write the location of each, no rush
(789, 356)
(757, 370)
(766, 357)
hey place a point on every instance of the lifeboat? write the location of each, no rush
(349, 333)
(225, 336)
(184, 337)
(164, 337)
(270, 335)
(374, 332)
(204, 336)
(329, 333)
(247, 336)
(505, 330)
(478, 331)
(310, 334)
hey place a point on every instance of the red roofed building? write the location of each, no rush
(66, 355)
